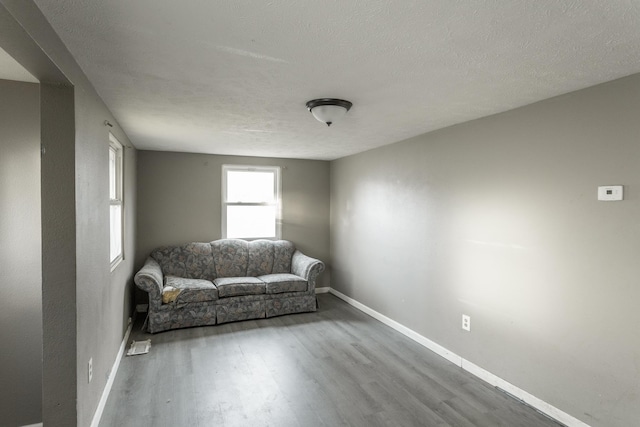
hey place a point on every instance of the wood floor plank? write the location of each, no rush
(333, 367)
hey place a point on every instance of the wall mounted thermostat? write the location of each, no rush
(610, 193)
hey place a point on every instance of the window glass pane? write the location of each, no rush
(115, 240)
(250, 186)
(251, 221)
(112, 173)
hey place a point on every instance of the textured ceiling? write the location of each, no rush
(233, 77)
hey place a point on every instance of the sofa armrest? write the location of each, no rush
(150, 280)
(306, 267)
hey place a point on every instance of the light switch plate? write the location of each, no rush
(610, 193)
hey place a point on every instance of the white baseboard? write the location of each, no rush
(528, 398)
(34, 425)
(436, 348)
(323, 290)
(540, 405)
(112, 376)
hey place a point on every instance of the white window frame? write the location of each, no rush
(117, 147)
(276, 170)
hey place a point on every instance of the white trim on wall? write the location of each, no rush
(324, 290)
(112, 376)
(542, 406)
(277, 195)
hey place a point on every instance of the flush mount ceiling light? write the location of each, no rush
(327, 110)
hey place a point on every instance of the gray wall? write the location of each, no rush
(498, 219)
(85, 305)
(20, 263)
(57, 186)
(180, 201)
(104, 298)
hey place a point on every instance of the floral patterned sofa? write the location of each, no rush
(226, 280)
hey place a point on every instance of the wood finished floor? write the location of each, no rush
(334, 367)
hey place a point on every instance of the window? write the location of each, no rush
(250, 202)
(115, 202)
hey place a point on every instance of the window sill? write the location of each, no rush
(254, 238)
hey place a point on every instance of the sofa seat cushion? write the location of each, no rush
(235, 286)
(284, 282)
(181, 290)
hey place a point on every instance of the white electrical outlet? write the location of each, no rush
(466, 322)
(90, 370)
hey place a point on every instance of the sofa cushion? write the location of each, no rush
(193, 261)
(230, 257)
(234, 286)
(181, 290)
(282, 253)
(284, 282)
(260, 258)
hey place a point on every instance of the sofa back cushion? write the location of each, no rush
(282, 254)
(260, 258)
(225, 258)
(230, 257)
(192, 261)
(240, 258)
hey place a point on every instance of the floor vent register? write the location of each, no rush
(139, 347)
